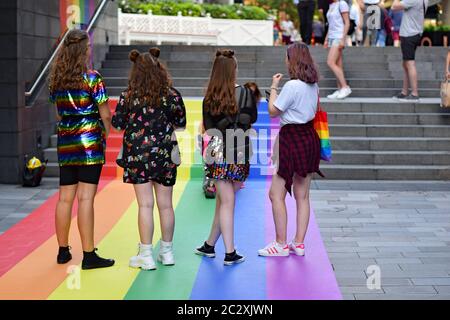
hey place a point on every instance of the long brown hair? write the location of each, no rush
(301, 63)
(220, 95)
(149, 79)
(71, 62)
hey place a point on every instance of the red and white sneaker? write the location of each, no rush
(297, 248)
(274, 249)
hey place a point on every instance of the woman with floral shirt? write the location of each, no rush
(149, 111)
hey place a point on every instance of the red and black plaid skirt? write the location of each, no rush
(299, 152)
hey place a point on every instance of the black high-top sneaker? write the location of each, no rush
(92, 261)
(233, 258)
(206, 250)
(64, 255)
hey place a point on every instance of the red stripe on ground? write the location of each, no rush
(27, 235)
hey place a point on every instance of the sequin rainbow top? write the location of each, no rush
(81, 134)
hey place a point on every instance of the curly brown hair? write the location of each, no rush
(149, 78)
(301, 63)
(220, 94)
(71, 63)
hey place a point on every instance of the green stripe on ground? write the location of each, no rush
(193, 218)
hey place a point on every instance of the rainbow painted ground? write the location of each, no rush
(28, 269)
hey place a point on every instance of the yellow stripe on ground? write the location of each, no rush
(121, 242)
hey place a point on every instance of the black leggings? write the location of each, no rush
(306, 15)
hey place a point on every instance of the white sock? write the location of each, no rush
(165, 246)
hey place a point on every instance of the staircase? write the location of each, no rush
(373, 137)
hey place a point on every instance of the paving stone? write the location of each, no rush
(443, 289)
(353, 290)
(431, 281)
(409, 290)
(397, 260)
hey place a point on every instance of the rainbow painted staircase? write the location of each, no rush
(28, 269)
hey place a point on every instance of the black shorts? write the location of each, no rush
(70, 175)
(409, 46)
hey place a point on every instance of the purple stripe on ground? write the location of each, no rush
(304, 278)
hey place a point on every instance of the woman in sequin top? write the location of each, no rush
(84, 122)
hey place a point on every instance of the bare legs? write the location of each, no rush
(410, 77)
(277, 196)
(63, 215)
(144, 196)
(223, 223)
(335, 63)
(301, 194)
(145, 199)
(86, 194)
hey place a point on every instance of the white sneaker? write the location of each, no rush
(274, 249)
(165, 255)
(297, 248)
(144, 258)
(334, 94)
(344, 93)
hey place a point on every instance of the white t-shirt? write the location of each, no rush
(297, 102)
(335, 20)
(287, 27)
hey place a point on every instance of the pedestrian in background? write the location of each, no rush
(305, 10)
(396, 17)
(411, 30)
(339, 23)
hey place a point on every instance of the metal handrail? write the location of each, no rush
(50, 60)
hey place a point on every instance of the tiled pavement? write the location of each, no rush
(17, 202)
(401, 227)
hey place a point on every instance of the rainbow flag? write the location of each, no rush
(321, 126)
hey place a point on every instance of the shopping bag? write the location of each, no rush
(321, 127)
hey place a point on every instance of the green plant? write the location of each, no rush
(187, 8)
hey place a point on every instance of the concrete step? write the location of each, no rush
(389, 118)
(375, 130)
(385, 172)
(396, 144)
(267, 81)
(391, 157)
(356, 92)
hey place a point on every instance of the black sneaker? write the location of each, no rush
(206, 250)
(399, 96)
(64, 255)
(410, 98)
(92, 261)
(233, 258)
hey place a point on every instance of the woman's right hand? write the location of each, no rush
(276, 79)
(448, 75)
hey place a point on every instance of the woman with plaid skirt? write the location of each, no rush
(298, 154)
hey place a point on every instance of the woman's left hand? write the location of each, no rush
(342, 44)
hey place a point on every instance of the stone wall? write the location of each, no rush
(28, 32)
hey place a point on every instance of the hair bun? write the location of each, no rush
(134, 54)
(155, 52)
(225, 52)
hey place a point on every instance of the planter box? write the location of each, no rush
(437, 37)
(193, 30)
